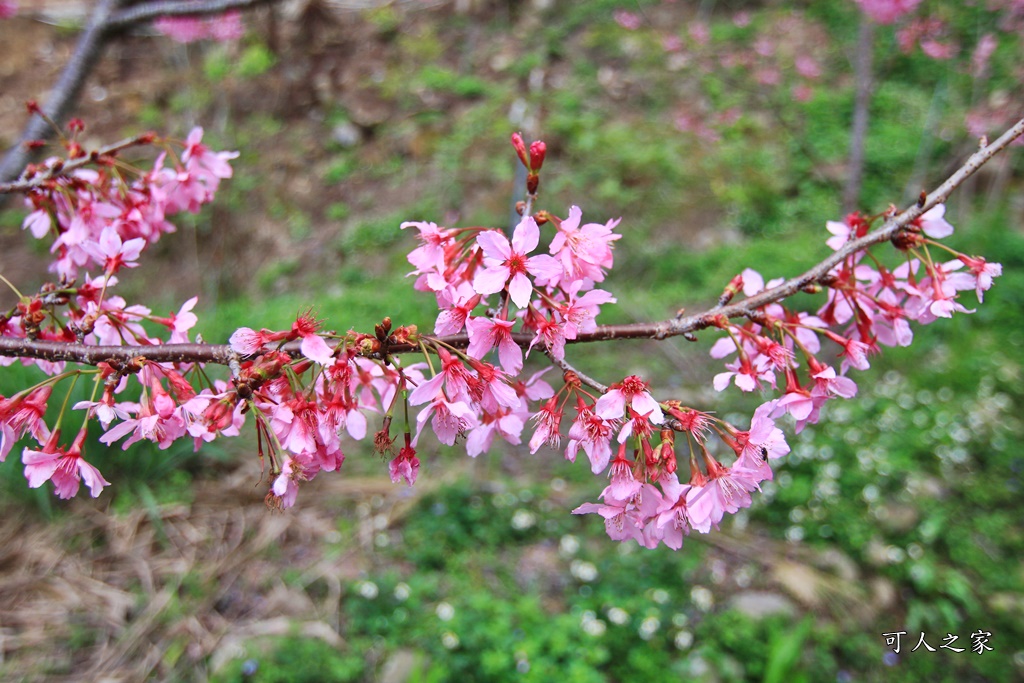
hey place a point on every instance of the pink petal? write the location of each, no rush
(511, 356)
(491, 280)
(92, 478)
(526, 236)
(316, 349)
(494, 244)
(520, 290)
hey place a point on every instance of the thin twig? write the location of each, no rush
(24, 184)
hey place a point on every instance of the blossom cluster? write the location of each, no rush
(99, 217)
(867, 306)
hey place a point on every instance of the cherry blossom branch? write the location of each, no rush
(50, 172)
(218, 354)
(681, 326)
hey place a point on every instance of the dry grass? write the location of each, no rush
(177, 590)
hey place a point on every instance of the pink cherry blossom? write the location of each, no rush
(456, 303)
(623, 484)
(594, 434)
(763, 441)
(434, 241)
(631, 391)
(887, 11)
(548, 419)
(981, 272)
(580, 311)
(286, 485)
(509, 264)
(626, 519)
(404, 466)
(24, 414)
(451, 419)
(503, 423)
(673, 519)
(66, 469)
(747, 375)
(486, 333)
(584, 251)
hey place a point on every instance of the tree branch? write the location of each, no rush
(40, 179)
(222, 354)
(67, 89)
(149, 11)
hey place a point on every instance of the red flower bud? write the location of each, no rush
(537, 151)
(517, 142)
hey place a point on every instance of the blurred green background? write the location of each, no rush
(900, 511)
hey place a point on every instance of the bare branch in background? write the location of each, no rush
(109, 19)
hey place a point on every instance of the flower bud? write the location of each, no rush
(537, 151)
(517, 142)
(735, 286)
(218, 416)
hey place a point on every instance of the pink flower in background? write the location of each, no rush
(628, 20)
(982, 54)
(887, 11)
(222, 28)
(672, 43)
(768, 76)
(8, 8)
(181, 29)
(928, 34)
(807, 67)
(699, 32)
